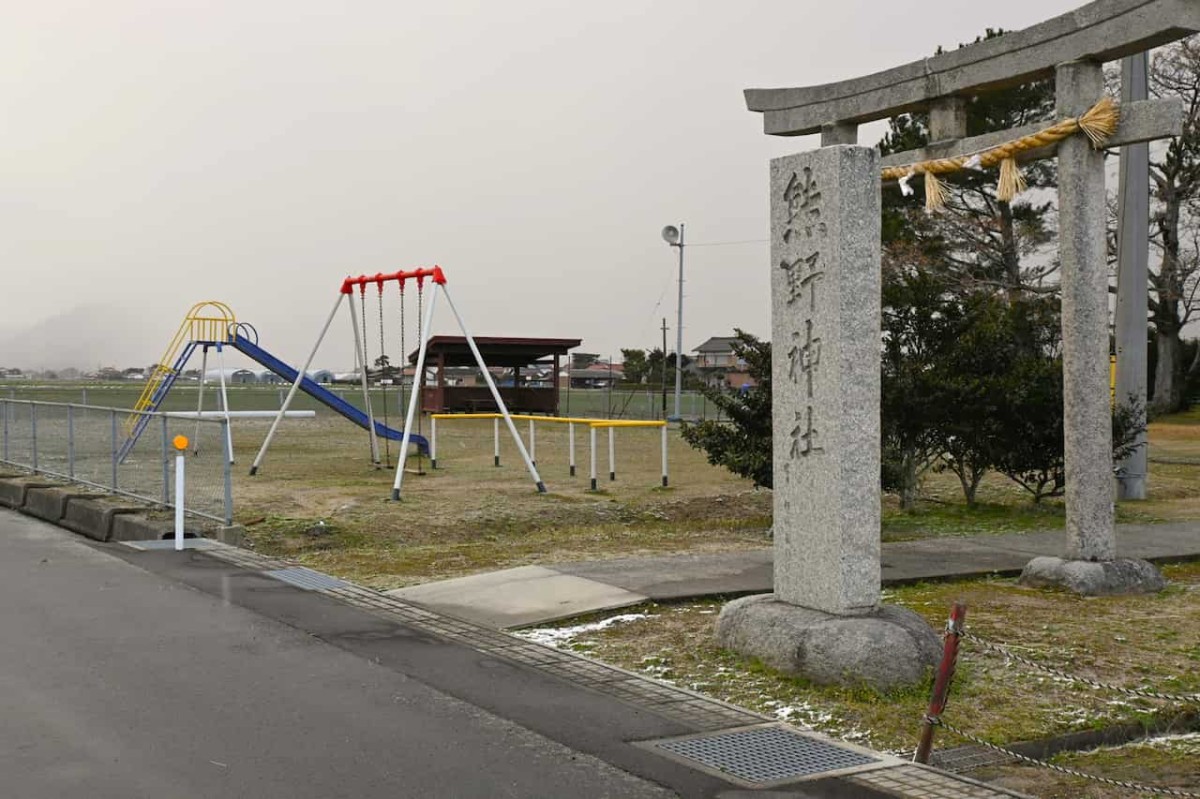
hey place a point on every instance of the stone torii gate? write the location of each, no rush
(825, 619)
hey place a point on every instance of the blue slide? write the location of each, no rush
(322, 394)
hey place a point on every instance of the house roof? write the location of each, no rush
(717, 344)
(496, 350)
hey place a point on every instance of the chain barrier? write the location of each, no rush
(1033, 761)
(1033, 664)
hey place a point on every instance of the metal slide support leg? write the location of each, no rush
(491, 384)
(262, 452)
(416, 393)
(361, 355)
(224, 405)
(571, 445)
(199, 402)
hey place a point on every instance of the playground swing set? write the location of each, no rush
(213, 325)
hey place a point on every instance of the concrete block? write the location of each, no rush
(233, 535)
(12, 490)
(131, 527)
(49, 503)
(93, 516)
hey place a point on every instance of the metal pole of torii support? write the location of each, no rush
(1133, 234)
(262, 452)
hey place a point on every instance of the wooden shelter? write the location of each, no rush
(517, 354)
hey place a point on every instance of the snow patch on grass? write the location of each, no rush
(563, 636)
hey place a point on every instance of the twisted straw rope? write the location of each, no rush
(1098, 123)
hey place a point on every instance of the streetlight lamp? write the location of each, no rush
(674, 237)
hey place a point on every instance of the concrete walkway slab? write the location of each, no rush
(532, 595)
(519, 597)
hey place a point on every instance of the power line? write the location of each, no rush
(729, 243)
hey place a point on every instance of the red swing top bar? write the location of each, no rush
(379, 278)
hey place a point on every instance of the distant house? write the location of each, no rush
(598, 374)
(717, 363)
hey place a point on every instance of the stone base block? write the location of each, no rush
(889, 648)
(50, 504)
(1094, 578)
(93, 517)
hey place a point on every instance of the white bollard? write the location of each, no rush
(433, 442)
(664, 455)
(612, 453)
(593, 432)
(532, 444)
(571, 436)
(181, 444)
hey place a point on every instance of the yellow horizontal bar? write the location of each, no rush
(557, 419)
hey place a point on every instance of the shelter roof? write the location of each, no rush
(496, 350)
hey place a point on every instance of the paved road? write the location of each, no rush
(117, 682)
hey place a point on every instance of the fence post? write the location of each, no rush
(6, 412)
(112, 416)
(532, 444)
(33, 432)
(71, 441)
(166, 461)
(227, 468)
(941, 685)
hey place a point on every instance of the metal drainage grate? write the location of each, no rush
(761, 755)
(307, 579)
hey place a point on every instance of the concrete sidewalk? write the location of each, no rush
(532, 595)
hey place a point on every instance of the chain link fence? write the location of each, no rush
(88, 445)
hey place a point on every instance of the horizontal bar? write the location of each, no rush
(555, 419)
(379, 278)
(1100, 31)
(1144, 120)
(239, 414)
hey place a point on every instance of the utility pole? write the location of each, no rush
(674, 237)
(663, 371)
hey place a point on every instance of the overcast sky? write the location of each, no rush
(153, 155)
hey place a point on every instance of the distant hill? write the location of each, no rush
(84, 337)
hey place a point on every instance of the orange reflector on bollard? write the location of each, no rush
(180, 442)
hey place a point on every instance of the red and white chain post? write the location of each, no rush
(941, 685)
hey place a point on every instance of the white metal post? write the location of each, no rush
(295, 387)
(664, 454)
(592, 431)
(418, 376)
(361, 355)
(571, 446)
(199, 398)
(224, 405)
(179, 498)
(532, 444)
(491, 384)
(496, 441)
(432, 442)
(612, 453)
